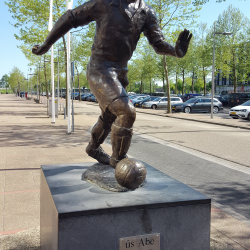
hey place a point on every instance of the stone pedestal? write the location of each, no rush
(76, 214)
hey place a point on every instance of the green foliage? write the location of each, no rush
(16, 79)
(4, 81)
(232, 52)
(200, 2)
(146, 67)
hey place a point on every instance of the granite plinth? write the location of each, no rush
(76, 214)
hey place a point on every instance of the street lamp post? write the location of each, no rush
(36, 85)
(28, 83)
(58, 76)
(212, 90)
(39, 67)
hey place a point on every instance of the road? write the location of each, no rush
(210, 158)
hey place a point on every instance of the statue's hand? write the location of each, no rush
(39, 50)
(182, 43)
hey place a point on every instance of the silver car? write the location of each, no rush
(138, 98)
(162, 102)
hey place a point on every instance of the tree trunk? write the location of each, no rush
(46, 86)
(193, 82)
(204, 80)
(141, 87)
(176, 80)
(66, 94)
(150, 86)
(39, 83)
(169, 108)
(235, 77)
(60, 87)
(163, 82)
(78, 82)
(183, 81)
(235, 80)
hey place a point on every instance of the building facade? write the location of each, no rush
(225, 84)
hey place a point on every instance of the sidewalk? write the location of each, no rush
(29, 140)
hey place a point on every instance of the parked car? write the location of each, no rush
(82, 95)
(241, 111)
(84, 98)
(146, 99)
(93, 99)
(236, 99)
(74, 95)
(89, 97)
(186, 97)
(162, 102)
(223, 99)
(138, 98)
(131, 97)
(201, 104)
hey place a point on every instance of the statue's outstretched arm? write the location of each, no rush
(79, 16)
(181, 45)
(156, 39)
(61, 27)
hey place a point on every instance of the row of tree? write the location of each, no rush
(146, 69)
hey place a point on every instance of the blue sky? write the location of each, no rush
(12, 56)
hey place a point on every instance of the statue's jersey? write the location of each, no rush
(117, 32)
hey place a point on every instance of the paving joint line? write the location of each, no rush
(228, 237)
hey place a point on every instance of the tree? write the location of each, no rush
(183, 66)
(15, 79)
(173, 13)
(200, 2)
(81, 51)
(150, 68)
(204, 52)
(31, 20)
(4, 81)
(193, 64)
(232, 51)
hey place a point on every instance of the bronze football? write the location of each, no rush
(130, 173)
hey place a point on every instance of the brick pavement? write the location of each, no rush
(28, 140)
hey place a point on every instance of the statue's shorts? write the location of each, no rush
(107, 80)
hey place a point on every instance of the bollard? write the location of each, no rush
(64, 113)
